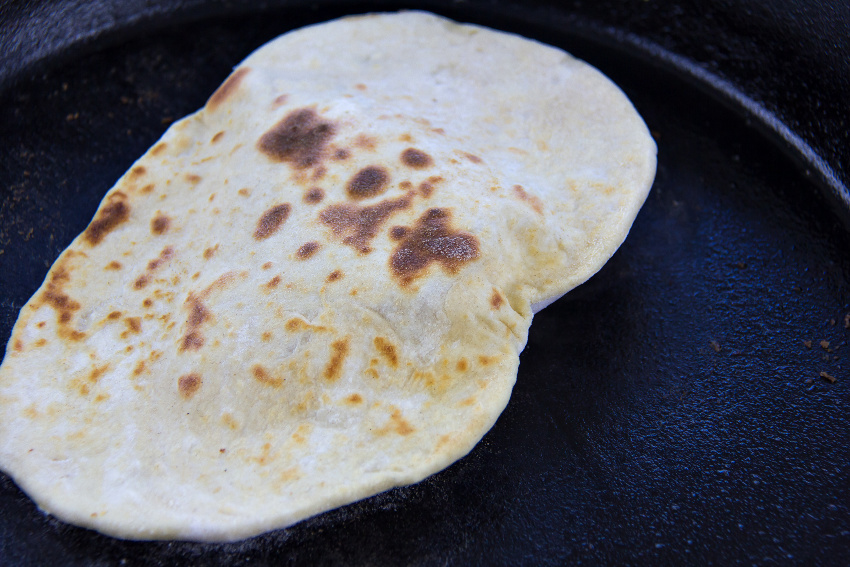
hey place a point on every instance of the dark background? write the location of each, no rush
(670, 410)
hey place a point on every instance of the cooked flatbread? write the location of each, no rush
(317, 287)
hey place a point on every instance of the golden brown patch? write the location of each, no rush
(114, 315)
(189, 384)
(160, 224)
(368, 182)
(280, 100)
(40, 342)
(532, 200)
(365, 142)
(210, 252)
(354, 399)
(398, 424)
(245, 192)
(148, 302)
(262, 375)
(101, 397)
(227, 88)
(18, 346)
(113, 265)
(140, 367)
(462, 365)
(471, 157)
(217, 138)
(97, 372)
(273, 283)
(166, 254)
(192, 178)
(333, 276)
(159, 148)
(299, 139)
(359, 225)
(192, 341)
(406, 138)
(230, 421)
(141, 282)
(417, 159)
(432, 240)
(339, 350)
(307, 250)
(487, 360)
(271, 220)
(496, 299)
(267, 266)
(147, 188)
(137, 171)
(266, 336)
(387, 350)
(360, 87)
(114, 213)
(134, 324)
(467, 402)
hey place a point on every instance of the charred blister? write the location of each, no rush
(299, 139)
(368, 182)
(357, 226)
(271, 220)
(430, 240)
(417, 159)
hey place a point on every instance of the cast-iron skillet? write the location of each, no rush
(670, 410)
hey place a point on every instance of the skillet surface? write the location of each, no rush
(669, 410)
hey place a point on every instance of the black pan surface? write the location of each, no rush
(670, 410)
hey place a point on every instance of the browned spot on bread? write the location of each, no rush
(262, 375)
(417, 159)
(159, 148)
(405, 138)
(245, 192)
(339, 350)
(405, 185)
(138, 171)
(140, 367)
(64, 306)
(18, 346)
(365, 142)
(266, 336)
(532, 200)
(114, 213)
(189, 384)
(114, 315)
(307, 249)
(230, 421)
(271, 220)
(359, 225)
(341, 154)
(148, 302)
(160, 224)
(399, 424)
(432, 240)
(193, 178)
(360, 87)
(192, 341)
(113, 265)
(399, 232)
(141, 282)
(487, 360)
(40, 342)
(354, 399)
(334, 276)
(101, 398)
(314, 195)
(368, 182)
(426, 188)
(299, 139)
(462, 365)
(166, 254)
(280, 100)
(273, 283)
(147, 188)
(210, 252)
(227, 88)
(471, 157)
(387, 350)
(97, 372)
(134, 324)
(218, 136)
(267, 266)
(467, 402)
(496, 299)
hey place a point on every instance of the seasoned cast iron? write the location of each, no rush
(670, 410)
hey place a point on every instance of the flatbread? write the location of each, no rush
(317, 287)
